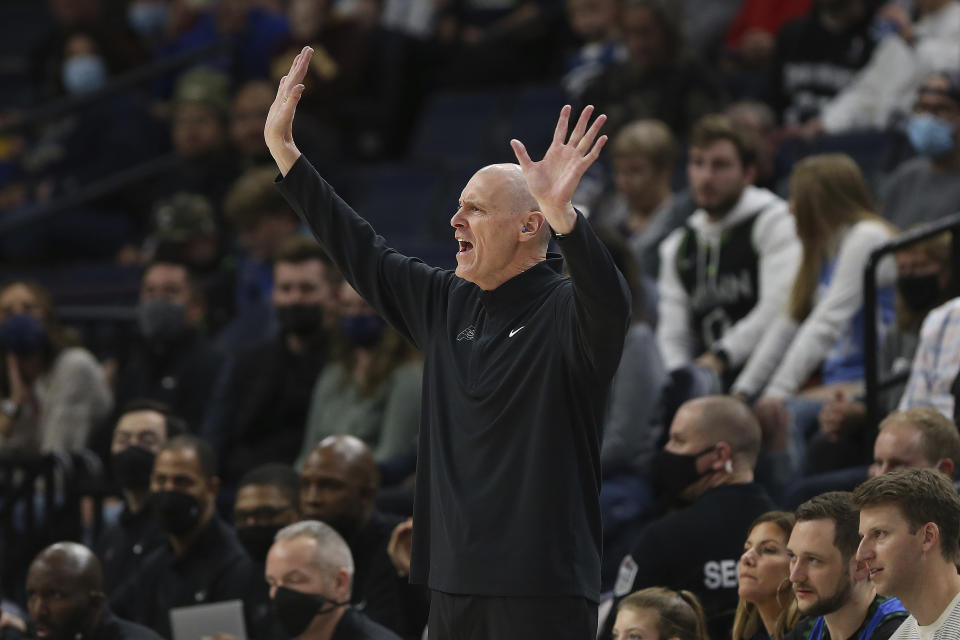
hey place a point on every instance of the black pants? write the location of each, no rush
(454, 617)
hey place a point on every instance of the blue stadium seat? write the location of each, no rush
(457, 125)
(532, 119)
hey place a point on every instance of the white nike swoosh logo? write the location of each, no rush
(516, 331)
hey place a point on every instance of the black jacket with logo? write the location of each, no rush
(514, 386)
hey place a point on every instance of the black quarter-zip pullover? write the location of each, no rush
(514, 386)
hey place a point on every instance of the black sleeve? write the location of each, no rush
(599, 313)
(404, 291)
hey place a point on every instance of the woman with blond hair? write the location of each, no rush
(658, 613)
(767, 607)
(822, 328)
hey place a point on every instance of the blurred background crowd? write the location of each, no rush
(177, 350)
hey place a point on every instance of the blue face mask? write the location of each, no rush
(84, 73)
(363, 331)
(148, 19)
(24, 335)
(930, 135)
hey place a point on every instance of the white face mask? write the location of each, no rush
(84, 73)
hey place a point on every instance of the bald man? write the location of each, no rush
(65, 598)
(518, 364)
(707, 465)
(338, 486)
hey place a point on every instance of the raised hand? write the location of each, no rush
(553, 180)
(278, 130)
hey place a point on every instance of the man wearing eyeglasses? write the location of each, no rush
(143, 427)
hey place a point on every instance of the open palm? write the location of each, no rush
(553, 180)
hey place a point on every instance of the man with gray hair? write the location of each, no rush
(518, 364)
(310, 575)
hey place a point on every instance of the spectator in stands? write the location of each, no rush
(918, 438)
(751, 38)
(199, 132)
(310, 575)
(203, 561)
(923, 282)
(910, 522)
(726, 274)
(337, 71)
(643, 207)
(338, 485)
(594, 23)
(247, 117)
(822, 329)
(268, 499)
(707, 463)
(661, 79)
(65, 598)
(149, 19)
(927, 187)
(370, 388)
(174, 362)
(936, 365)
(185, 231)
(758, 119)
(816, 56)
(260, 405)
(263, 223)
(143, 428)
(52, 391)
(833, 588)
(657, 613)
(914, 47)
(767, 609)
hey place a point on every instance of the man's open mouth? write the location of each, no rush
(464, 246)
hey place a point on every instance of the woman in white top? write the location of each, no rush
(51, 391)
(822, 328)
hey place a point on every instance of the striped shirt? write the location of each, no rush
(946, 627)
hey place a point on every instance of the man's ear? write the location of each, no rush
(531, 225)
(929, 536)
(725, 454)
(946, 467)
(213, 485)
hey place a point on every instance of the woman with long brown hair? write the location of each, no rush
(52, 391)
(370, 388)
(767, 607)
(658, 613)
(822, 327)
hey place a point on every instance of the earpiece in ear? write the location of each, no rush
(728, 467)
(524, 228)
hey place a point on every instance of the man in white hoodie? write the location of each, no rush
(725, 274)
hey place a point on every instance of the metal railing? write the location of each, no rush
(873, 383)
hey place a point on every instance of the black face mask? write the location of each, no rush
(296, 610)
(132, 468)
(300, 319)
(920, 293)
(674, 472)
(257, 539)
(179, 512)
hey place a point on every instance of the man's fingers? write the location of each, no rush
(592, 132)
(595, 152)
(521, 152)
(581, 127)
(563, 123)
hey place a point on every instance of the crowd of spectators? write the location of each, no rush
(257, 425)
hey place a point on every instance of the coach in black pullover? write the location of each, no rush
(515, 377)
